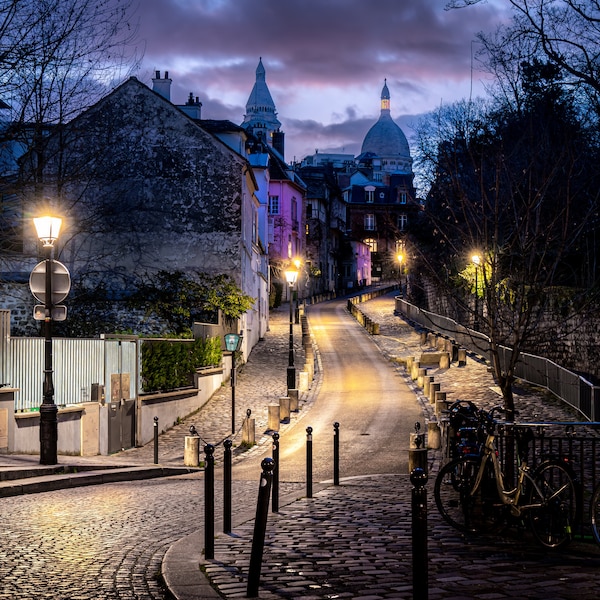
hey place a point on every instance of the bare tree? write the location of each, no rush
(517, 187)
(57, 57)
(563, 32)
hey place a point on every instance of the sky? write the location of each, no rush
(325, 60)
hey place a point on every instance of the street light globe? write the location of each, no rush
(290, 276)
(400, 258)
(47, 229)
(476, 259)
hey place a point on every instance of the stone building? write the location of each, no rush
(380, 194)
(142, 188)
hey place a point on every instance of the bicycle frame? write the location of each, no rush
(508, 497)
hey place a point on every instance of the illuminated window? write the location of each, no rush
(372, 243)
(370, 222)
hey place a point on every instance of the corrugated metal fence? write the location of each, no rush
(566, 385)
(78, 364)
(4, 338)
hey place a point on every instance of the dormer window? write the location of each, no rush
(370, 193)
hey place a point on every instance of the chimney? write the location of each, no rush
(192, 108)
(162, 86)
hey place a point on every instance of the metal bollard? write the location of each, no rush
(155, 440)
(260, 527)
(227, 486)
(418, 478)
(275, 492)
(209, 501)
(309, 462)
(336, 453)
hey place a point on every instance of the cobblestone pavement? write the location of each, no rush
(354, 541)
(351, 541)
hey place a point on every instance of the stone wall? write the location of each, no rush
(570, 341)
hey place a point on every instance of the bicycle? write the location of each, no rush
(471, 496)
(595, 513)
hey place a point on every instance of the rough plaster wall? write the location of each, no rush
(150, 190)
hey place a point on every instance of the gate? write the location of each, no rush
(121, 371)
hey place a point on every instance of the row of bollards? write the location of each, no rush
(269, 489)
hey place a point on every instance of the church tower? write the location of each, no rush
(387, 141)
(261, 117)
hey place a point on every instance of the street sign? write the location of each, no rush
(61, 281)
(59, 312)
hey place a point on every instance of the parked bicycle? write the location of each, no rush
(471, 494)
(595, 513)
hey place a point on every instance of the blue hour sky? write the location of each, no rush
(325, 60)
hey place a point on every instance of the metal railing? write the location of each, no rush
(569, 387)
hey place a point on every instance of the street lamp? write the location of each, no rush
(233, 342)
(297, 263)
(476, 261)
(291, 276)
(400, 258)
(48, 229)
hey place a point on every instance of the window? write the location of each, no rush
(402, 222)
(273, 205)
(370, 222)
(402, 197)
(372, 243)
(309, 211)
(370, 195)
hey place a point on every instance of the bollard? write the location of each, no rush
(209, 501)
(249, 430)
(309, 462)
(155, 440)
(336, 453)
(275, 492)
(227, 486)
(293, 395)
(417, 453)
(191, 448)
(427, 381)
(434, 435)
(273, 421)
(433, 388)
(260, 528)
(418, 478)
(421, 374)
(445, 361)
(284, 409)
(462, 357)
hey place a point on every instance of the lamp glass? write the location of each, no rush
(47, 229)
(232, 341)
(291, 276)
(476, 259)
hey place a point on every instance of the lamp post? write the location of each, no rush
(297, 263)
(291, 276)
(233, 342)
(476, 261)
(400, 258)
(47, 230)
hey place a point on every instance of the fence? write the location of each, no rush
(78, 366)
(570, 387)
(4, 338)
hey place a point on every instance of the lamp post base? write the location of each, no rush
(48, 434)
(291, 378)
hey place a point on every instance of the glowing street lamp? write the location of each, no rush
(400, 258)
(291, 275)
(233, 341)
(476, 259)
(48, 229)
(297, 264)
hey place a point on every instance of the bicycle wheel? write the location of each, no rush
(595, 513)
(477, 513)
(555, 493)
